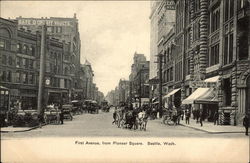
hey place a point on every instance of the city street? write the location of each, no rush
(100, 125)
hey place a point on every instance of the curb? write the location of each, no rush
(222, 132)
(29, 129)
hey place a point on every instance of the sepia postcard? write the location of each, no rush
(164, 81)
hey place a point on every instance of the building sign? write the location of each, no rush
(202, 84)
(38, 22)
(170, 5)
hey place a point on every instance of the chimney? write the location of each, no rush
(75, 15)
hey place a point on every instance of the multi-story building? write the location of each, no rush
(63, 29)
(139, 75)
(20, 63)
(87, 76)
(211, 63)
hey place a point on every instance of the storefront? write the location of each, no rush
(205, 97)
(173, 98)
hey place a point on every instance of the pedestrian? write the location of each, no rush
(198, 115)
(201, 118)
(114, 116)
(61, 117)
(246, 123)
(40, 120)
(216, 118)
(187, 115)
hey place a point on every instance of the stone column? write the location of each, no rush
(203, 38)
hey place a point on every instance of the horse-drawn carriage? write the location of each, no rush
(130, 119)
(52, 115)
(67, 111)
(77, 107)
(105, 106)
(91, 106)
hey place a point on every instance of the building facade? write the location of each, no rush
(63, 29)
(20, 63)
(210, 50)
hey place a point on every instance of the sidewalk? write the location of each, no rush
(209, 127)
(17, 129)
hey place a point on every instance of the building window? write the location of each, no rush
(49, 29)
(187, 66)
(228, 49)
(215, 20)
(9, 76)
(4, 59)
(31, 78)
(31, 63)
(18, 62)
(10, 61)
(196, 5)
(25, 49)
(24, 78)
(2, 44)
(19, 48)
(229, 9)
(33, 52)
(214, 55)
(59, 30)
(3, 76)
(24, 62)
(227, 92)
(18, 76)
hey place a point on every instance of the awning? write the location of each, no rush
(212, 79)
(195, 95)
(171, 93)
(209, 97)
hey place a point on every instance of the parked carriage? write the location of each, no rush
(52, 115)
(67, 111)
(77, 107)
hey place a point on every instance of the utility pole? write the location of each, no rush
(140, 88)
(160, 56)
(41, 71)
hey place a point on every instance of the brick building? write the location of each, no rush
(20, 59)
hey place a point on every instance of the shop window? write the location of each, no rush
(227, 91)
(49, 29)
(4, 59)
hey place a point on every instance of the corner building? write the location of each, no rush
(64, 30)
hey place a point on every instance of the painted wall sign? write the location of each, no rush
(37, 22)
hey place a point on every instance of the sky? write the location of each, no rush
(111, 32)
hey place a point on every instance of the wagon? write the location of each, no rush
(67, 111)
